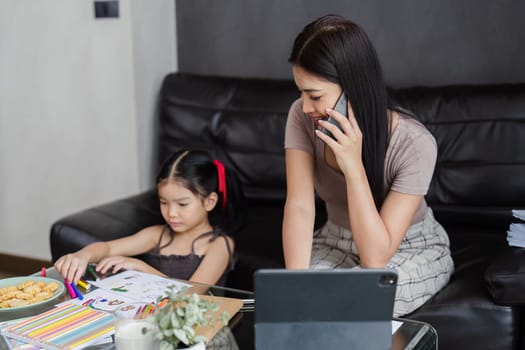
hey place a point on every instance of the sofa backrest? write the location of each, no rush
(240, 121)
(480, 131)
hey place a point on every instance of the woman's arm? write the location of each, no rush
(299, 210)
(377, 234)
(73, 266)
(215, 262)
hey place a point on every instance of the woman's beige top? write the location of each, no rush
(409, 163)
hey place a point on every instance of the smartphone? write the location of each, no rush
(342, 107)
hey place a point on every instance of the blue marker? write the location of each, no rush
(79, 295)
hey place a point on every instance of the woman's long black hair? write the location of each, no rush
(195, 170)
(338, 50)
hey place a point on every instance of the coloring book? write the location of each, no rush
(138, 285)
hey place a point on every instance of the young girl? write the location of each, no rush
(372, 173)
(199, 202)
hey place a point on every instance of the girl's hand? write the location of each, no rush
(114, 264)
(347, 142)
(71, 266)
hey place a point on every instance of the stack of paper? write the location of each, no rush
(516, 232)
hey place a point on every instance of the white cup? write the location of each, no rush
(132, 330)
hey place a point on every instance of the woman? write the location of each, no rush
(372, 172)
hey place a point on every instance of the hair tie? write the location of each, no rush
(221, 180)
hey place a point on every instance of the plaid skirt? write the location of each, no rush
(422, 261)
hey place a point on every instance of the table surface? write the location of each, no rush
(240, 332)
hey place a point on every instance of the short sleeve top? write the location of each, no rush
(409, 162)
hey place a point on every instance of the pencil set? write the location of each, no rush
(67, 326)
(144, 311)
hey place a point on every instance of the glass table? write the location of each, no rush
(239, 334)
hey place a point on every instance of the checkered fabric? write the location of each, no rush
(422, 261)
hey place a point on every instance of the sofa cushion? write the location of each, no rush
(463, 311)
(505, 277)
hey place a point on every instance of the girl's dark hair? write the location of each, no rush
(339, 51)
(195, 170)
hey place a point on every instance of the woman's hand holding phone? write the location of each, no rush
(340, 106)
(346, 138)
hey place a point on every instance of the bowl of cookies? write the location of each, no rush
(25, 296)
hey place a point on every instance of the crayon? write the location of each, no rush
(83, 284)
(70, 290)
(77, 292)
(92, 272)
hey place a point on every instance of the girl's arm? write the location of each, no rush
(299, 210)
(377, 234)
(73, 266)
(116, 263)
(215, 262)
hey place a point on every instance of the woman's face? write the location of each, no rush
(317, 93)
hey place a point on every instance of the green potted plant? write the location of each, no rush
(176, 322)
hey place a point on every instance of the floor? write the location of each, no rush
(5, 275)
(13, 265)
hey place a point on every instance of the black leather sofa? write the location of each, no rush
(479, 178)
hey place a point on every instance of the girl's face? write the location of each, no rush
(317, 93)
(183, 210)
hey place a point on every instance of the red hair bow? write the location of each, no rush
(221, 174)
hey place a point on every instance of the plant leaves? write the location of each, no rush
(181, 335)
(176, 322)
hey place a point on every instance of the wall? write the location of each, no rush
(76, 104)
(154, 53)
(419, 42)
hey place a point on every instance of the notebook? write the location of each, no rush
(324, 309)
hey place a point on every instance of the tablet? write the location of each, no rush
(324, 309)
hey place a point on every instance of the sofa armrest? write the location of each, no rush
(105, 222)
(505, 277)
